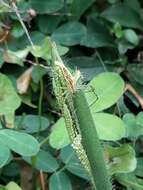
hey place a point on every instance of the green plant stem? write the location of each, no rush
(91, 143)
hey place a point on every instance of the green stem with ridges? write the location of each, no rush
(91, 143)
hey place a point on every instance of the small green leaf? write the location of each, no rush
(136, 72)
(124, 15)
(21, 143)
(97, 34)
(44, 161)
(69, 34)
(122, 159)
(9, 100)
(12, 186)
(78, 7)
(16, 57)
(134, 125)
(45, 6)
(4, 156)
(131, 36)
(130, 181)
(109, 127)
(60, 181)
(104, 91)
(59, 136)
(32, 123)
(51, 25)
(37, 73)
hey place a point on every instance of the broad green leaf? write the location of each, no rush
(97, 34)
(109, 127)
(51, 25)
(59, 181)
(121, 159)
(136, 72)
(44, 161)
(4, 155)
(16, 57)
(134, 125)
(131, 36)
(130, 181)
(9, 100)
(104, 91)
(45, 6)
(124, 15)
(12, 186)
(69, 34)
(21, 143)
(59, 136)
(134, 4)
(32, 123)
(72, 163)
(78, 7)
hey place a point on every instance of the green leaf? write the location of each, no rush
(60, 181)
(130, 181)
(78, 7)
(136, 72)
(72, 163)
(51, 25)
(109, 127)
(16, 57)
(4, 156)
(104, 91)
(122, 159)
(59, 136)
(9, 100)
(97, 35)
(45, 6)
(44, 161)
(69, 34)
(21, 143)
(37, 73)
(134, 4)
(12, 186)
(139, 119)
(124, 15)
(131, 36)
(133, 124)
(32, 123)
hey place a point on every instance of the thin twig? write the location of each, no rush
(42, 180)
(22, 23)
(131, 89)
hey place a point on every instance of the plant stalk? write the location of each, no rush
(91, 143)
